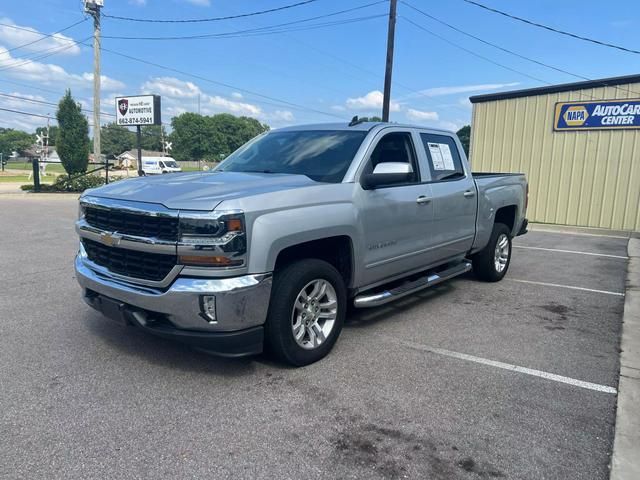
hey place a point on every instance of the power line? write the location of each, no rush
(280, 102)
(551, 29)
(43, 102)
(40, 56)
(491, 44)
(25, 113)
(214, 19)
(42, 38)
(255, 32)
(417, 25)
(511, 52)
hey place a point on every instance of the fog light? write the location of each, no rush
(208, 308)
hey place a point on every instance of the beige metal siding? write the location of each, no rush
(585, 178)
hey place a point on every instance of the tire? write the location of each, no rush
(489, 264)
(285, 316)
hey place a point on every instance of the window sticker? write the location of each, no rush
(441, 156)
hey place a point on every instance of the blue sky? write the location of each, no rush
(323, 73)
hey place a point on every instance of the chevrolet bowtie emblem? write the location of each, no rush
(110, 239)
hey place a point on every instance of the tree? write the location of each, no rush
(53, 133)
(116, 139)
(200, 137)
(464, 134)
(14, 141)
(72, 142)
(151, 137)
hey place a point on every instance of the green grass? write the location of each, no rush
(51, 167)
(24, 179)
(14, 178)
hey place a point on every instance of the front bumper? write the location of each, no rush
(175, 312)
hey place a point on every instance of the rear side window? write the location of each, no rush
(444, 159)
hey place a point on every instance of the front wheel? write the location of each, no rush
(306, 312)
(491, 263)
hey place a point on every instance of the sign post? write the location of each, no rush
(136, 111)
(139, 142)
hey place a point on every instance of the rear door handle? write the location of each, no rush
(422, 199)
(469, 193)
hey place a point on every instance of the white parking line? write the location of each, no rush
(507, 366)
(572, 251)
(544, 284)
(544, 230)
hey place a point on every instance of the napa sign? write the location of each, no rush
(602, 115)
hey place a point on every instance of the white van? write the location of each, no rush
(158, 165)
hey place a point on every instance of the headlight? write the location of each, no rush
(216, 240)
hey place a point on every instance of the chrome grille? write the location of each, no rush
(130, 263)
(140, 225)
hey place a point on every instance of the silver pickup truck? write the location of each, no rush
(267, 250)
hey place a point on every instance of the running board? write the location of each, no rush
(366, 300)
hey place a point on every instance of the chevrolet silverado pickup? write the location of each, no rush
(267, 251)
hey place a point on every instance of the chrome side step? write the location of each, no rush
(375, 299)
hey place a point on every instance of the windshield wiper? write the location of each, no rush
(257, 171)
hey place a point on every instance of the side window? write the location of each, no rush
(395, 147)
(162, 165)
(444, 159)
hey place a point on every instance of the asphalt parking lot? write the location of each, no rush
(468, 380)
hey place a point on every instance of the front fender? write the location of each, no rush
(274, 231)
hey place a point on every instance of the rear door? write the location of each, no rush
(395, 219)
(454, 197)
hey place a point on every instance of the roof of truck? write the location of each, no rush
(364, 126)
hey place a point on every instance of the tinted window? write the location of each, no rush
(322, 155)
(443, 155)
(394, 147)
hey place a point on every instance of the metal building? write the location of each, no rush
(578, 143)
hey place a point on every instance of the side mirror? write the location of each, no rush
(387, 173)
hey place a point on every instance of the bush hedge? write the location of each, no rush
(62, 184)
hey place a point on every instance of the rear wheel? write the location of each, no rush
(306, 312)
(491, 263)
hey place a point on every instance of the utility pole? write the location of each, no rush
(92, 7)
(391, 33)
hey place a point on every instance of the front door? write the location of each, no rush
(395, 218)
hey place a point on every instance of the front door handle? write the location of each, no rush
(469, 193)
(422, 199)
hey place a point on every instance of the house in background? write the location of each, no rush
(129, 159)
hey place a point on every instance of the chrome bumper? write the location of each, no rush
(241, 302)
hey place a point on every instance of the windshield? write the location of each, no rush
(321, 155)
(171, 164)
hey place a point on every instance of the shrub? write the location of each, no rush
(61, 184)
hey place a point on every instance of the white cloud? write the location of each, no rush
(13, 37)
(441, 91)
(25, 122)
(200, 3)
(465, 103)
(106, 83)
(421, 115)
(174, 89)
(171, 87)
(140, 3)
(370, 101)
(51, 74)
(240, 108)
(283, 115)
(237, 95)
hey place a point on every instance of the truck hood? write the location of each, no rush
(198, 190)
